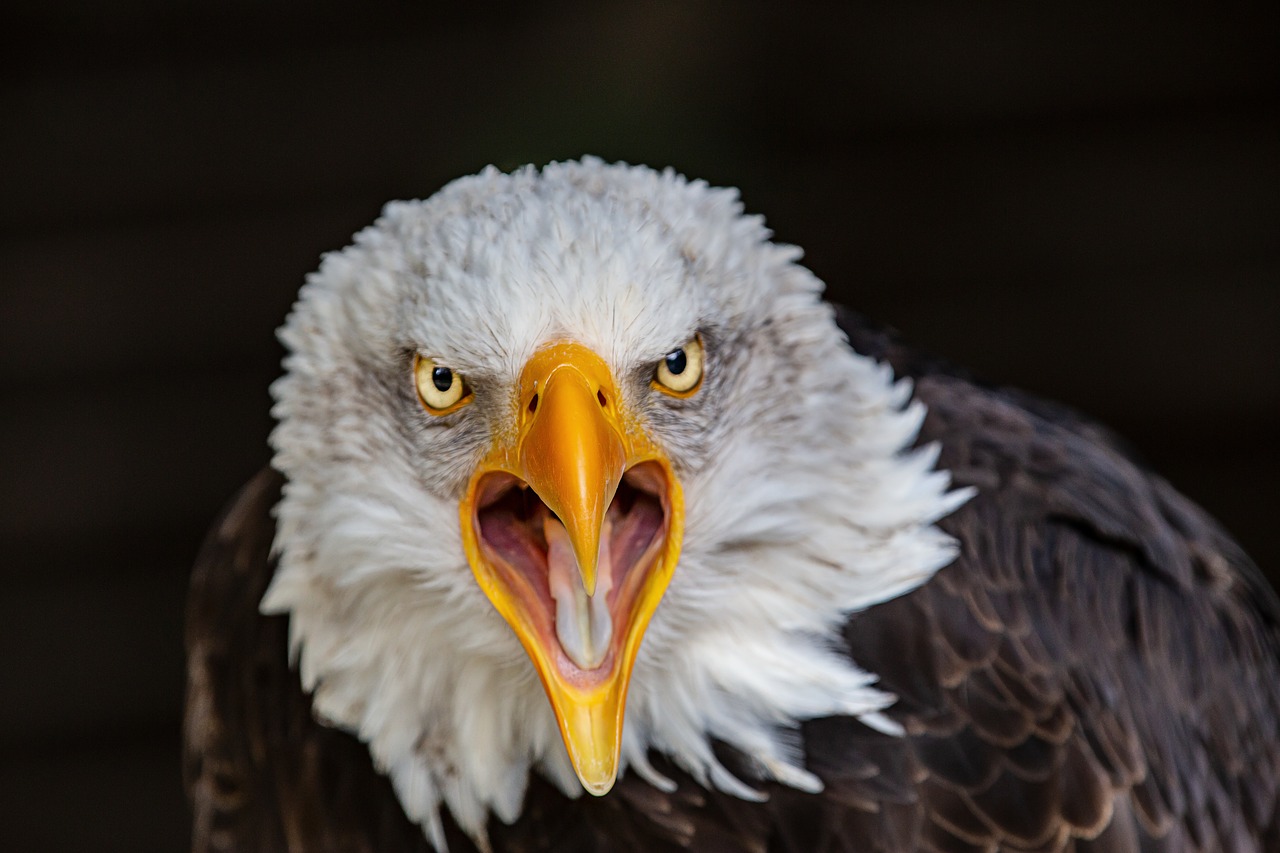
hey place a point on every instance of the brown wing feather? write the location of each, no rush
(1098, 671)
(1100, 667)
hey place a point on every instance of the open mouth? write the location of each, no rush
(572, 526)
(529, 551)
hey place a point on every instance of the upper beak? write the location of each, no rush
(572, 446)
(572, 455)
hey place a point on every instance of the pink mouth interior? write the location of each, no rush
(510, 520)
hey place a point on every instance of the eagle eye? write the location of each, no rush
(679, 373)
(441, 390)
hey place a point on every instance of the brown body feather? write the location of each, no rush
(1099, 670)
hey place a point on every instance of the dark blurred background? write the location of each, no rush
(1079, 199)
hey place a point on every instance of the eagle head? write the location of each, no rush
(580, 466)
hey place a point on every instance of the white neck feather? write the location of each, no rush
(810, 507)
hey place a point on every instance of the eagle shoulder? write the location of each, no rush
(261, 773)
(1100, 664)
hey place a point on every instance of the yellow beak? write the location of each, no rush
(579, 610)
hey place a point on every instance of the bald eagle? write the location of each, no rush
(590, 526)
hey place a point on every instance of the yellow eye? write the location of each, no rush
(440, 389)
(680, 371)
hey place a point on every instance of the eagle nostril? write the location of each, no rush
(533, 404)
(604, 401)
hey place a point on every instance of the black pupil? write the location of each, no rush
(676, 362)
(442, 378)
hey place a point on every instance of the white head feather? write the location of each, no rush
(803, 502)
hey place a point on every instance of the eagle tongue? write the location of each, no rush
(583, 624)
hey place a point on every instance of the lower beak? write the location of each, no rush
(578, 570)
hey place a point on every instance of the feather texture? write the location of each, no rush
(911, 612)
(628, 262)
